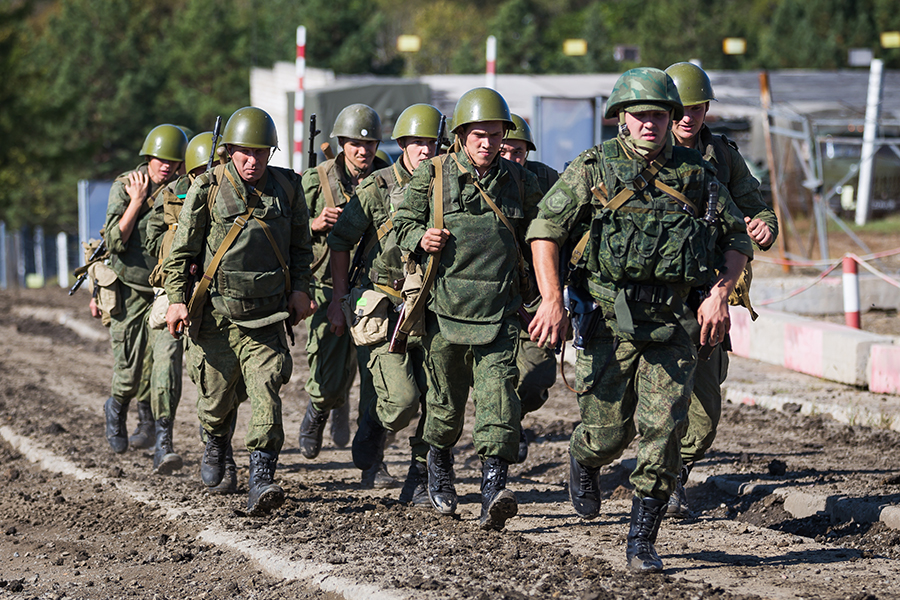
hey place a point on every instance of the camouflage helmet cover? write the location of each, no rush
(418, 120)
(358, 122)
(166, 142)
(692, 82)
(644, 86)
(480, 105)
(250, 127)
(521, 132)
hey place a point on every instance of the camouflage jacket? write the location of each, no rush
(545, 174)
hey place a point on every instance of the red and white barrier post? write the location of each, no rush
(491, 55)
(299, 101)
(850, 282)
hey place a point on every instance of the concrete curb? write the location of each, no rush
(314, 574)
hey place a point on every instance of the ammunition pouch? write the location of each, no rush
(366, 313)
(157, 317)
(105, 289)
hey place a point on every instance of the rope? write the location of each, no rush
(824, 263)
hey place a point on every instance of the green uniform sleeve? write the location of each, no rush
(744, 189)
(734, 230)
(118, 202)
(193, 224)
(301, 244)
(156, 223)
(567, 203)
(357, 217)
(413, 216)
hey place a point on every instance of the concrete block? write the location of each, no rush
(825, 297)
(890, 516)
(802, 505)
(884, 369)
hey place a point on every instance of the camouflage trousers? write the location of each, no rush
(230, 364)
(705, 407)
(490, 370)
(645, 389)
(129, 334)
(400, 381)
(537, 374)
(332, 359)
(165, 376)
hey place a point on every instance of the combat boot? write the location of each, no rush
(116, 434)
(264, 496)
(377, 477)
(523, 446)
(368, 443)
(340, 425)
(165, 461)
(498, 504)
(640, 553)
(678, 503)
(212, 468)
(441, 491)
(228, 485)
(311, 430)
(143, 434)
(584, 489)
(415, 488)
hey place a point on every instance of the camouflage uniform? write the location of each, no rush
(399, 379)
(706, 400)
(241, 348)
(472, 327)
(651, 361)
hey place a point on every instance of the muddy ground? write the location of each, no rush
(121, 532)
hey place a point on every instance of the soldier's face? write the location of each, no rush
(514, 150)
(689, 126)
(161, 170)
(648, 125)
(483, 142)
(360, 153)
(250, 163)
(415, 150)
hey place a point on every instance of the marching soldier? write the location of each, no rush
(130, 202)
(658, 225)
(247, 225)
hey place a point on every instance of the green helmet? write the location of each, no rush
(480, 105)
(358, 122)
(385, 156)
(188, 132)
(692, 82)
(198, 149)
(418, 120)
(250, 127)
(166, 142)
(644, 86)
(521, 132)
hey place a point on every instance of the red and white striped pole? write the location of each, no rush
(850, 282)
(299, 101)
(491, 55)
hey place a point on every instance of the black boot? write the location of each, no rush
(523, 446)
(311, 430)
(264, 496)
(498, 504)
(441, 491)
(584, 489)
(678, 502)
(228, 485)
(165, 461)
(116, 433)
(377, 477)
(415, 488)
(368, 443)
(212, 469)
(143, 434)
(340, 425)
(640, 554)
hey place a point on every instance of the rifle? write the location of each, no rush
(313, 132)
(398, 340)
(442, 127)
(358, 263)
(96, 254)
(193, 268)
(699, 293)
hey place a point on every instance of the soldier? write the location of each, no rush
(484, 204)
(639, 198)
(248, 225)
(537, 365)
(691, 131)
(399, 379)
(130, 202)
(332, 359)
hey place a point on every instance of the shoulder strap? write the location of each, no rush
(326, 187)
(215, 179)
(285, 185)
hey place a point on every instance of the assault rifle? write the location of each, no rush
(359, 262)
(313, 132)
(95, 255)
(442, 129)
(700, 293)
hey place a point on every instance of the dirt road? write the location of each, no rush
(90, 524)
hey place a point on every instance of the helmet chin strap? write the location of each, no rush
(642, 148)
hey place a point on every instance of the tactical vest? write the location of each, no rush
(250, 284)
(173, 201)
(546, 175)
(386, 270)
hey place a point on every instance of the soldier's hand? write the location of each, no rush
(326, 220)
(434, 240)
(300, 306)
(137, 186)
(95, 310)
(758, 231)
(714, 319)
(549, 325)
(176, 314)
(336, 317)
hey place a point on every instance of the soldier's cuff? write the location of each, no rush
(175, 296)
(542, 229)
(739, 243)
